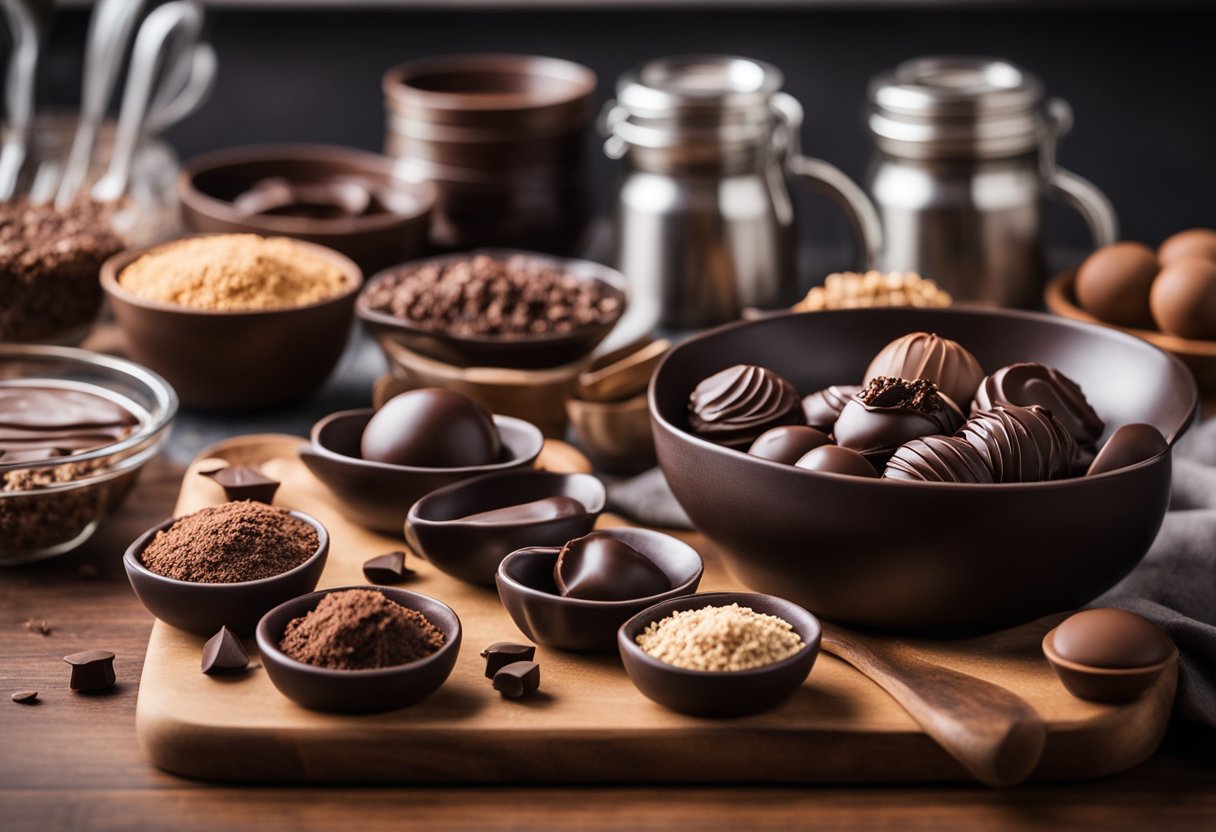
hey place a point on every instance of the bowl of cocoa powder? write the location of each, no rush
(359, 650)
(226, 565)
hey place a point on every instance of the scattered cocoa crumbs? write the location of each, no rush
(38, 626)
(360, 629)
(919, 394)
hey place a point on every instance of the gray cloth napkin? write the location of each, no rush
(1174, 586)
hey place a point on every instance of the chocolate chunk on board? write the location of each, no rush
(91, 670)
(517, 680)
(387, 569)
(224, 652)
(244, 482)
(502, 653)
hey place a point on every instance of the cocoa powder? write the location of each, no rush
(360, 629)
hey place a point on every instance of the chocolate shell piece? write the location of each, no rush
(822, 407)
(924, 355)
(599, 567)
(1022, 444)
(1129, 445)
(734, 406)
(891, 411)
(938, 459)
(1029, 383)
(788, 443)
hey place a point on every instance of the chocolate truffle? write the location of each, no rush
(891, 411)
(1029, 383)
(822, 407)
(1022, 444)
(1129, 445)
(1113, 284)
(833, 459)
(1193, 243)
(1183, 299)
(788, 443)
(431, 428)
(924, 355)
(938, 459)
(546, 508)
(599, 567)
(1111, 638)
(734, 406)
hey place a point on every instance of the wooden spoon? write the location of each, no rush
(991, 731)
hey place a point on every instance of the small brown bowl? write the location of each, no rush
(529, 352)
(202, 608)
(527, 590)
(1103, 684)
(471, 552)
(358, 691)
(229, 361)
(615, 435)
(720, 693)
(377, 495)
(209, 183)
(622, 373)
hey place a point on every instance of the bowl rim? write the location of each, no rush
(881, 482)
(112, 268)
(1049, 650)
(267, 646)
(414, 518)
(660, 610)
(397, 85)
(131, 557)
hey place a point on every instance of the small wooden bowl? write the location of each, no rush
(622, 373)
(358, 691)
(471, 552)
(615, 435)
(720, 693)
(1103, 684)
(202, 608)
(527, 590)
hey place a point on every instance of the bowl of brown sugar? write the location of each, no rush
(226, 565)
(235, 321)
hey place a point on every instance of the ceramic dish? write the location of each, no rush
(1103, 684)
(616, 436)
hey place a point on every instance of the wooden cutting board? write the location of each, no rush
(589, 724)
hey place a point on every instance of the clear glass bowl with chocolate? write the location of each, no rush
(76, 427)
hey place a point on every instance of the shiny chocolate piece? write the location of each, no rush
(788, 443)
(1111, 638)
(598, 567)
(546, 508)
(387, 569)
(924, 355)
(938, 459)
(822, 408)
(46, 422)
(736, 405)
(431, 428)
(891, 411)
(1185, 245)
(1113, 284)
(1022, 444)
(91, 670)
(1183, 299)
(224, 653)
(833, 459)
(1029, 383)
(502, 653)
(244, 482)
(25, 697)
(329, 198)
(518, 679)
(1129, 445)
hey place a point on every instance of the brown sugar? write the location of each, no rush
(360, 629)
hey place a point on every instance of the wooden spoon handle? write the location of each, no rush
(991, 731)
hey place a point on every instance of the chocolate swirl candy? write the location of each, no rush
(1022, 444)
(1028, 383)
(924, 355)
(734, 406)
(45, 422)
(938, 459)
(822, 407)
(891, 411)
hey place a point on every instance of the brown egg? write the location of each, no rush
(1196, 242)
(1113, 284)
(1184, 299)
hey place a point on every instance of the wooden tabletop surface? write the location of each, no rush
(72, 761)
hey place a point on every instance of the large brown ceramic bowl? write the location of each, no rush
(947, 558)
(228, 361)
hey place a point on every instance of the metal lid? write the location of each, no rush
(666, 87)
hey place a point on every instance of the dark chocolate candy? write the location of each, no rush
(387, 569)
(26, 697)
(517, 679)
(546, 508)
(891, 411)
(1111, 638)
(833, 459)
(1029, 383)
(938, 459)
(1183, 299)
(244, 482)
(599, 567)
(1194, 243)
(46, 422)
(431, 428)
(502, 653)
(822, 408)
(1022, 444)
(788, 443)
(224, 652)
(1128, 445)
(924, 355)
(1113, 284)
(91, 670)
(738, 404)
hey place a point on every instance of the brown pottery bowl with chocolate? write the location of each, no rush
(378, 495)
(236, 360)
(528, 591)
(923, 556)
(202, 608)
(720, 693)
(358, 691)
(466, 529)
(349, 200)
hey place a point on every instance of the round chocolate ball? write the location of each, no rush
(788, 444)
(1113, 284)
(833, 459)
(1183, 299)
(946, 363)
(891, 411)
(431, 428)
(1111, 638)
(1197, 242)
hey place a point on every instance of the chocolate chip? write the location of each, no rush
(517, 679)
(224, 652)
(244, 482)
(26, 697)
(91, 670)
(387, 569)
(502, 653)
(38, 626)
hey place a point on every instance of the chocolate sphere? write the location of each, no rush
(924, 355)
(1129, 445)
(736, 405)
(822, 407)
(833, 459)
(788, 443)
(431, 428)
(1029, 383)
(599, 567)
(1111, 638)
(1183, 299)
(938, 459)
(1022, 444)
(1196, 242)
(892, 411)
(1114, 282)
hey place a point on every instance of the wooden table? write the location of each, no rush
(72, 761)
